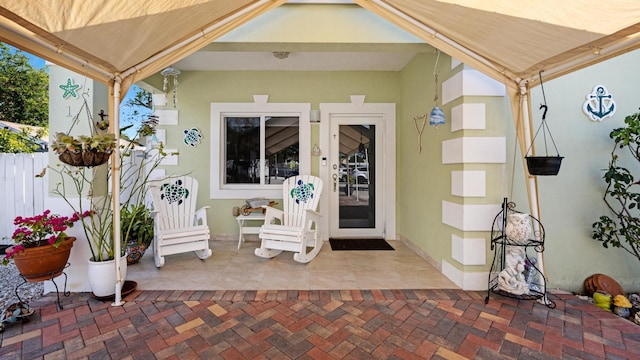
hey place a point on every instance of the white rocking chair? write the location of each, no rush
(178, 227)
(296, 227)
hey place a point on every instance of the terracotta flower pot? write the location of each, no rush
(43, 262)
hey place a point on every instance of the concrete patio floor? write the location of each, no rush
(232, 269)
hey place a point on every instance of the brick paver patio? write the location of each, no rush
(323, 324)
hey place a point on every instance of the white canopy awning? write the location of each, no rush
(513, 40)
(507, 40)
(121, 42)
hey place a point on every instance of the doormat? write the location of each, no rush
(359, 244)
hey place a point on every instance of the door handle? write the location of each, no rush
(335, 182)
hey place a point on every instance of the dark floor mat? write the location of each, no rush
(359, 244)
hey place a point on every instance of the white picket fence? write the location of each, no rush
(23, 193)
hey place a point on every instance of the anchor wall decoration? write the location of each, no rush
(599, 104)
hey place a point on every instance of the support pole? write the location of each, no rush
(532, 185)
(115, 188)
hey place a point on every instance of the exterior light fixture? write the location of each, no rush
(314, 115)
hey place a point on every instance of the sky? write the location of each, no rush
(35, 61)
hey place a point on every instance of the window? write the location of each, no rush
(256, 146)
(247, 138)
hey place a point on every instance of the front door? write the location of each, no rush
(357, 154)
(356, 164)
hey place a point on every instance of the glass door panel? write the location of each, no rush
(355, 208)
(357, 177)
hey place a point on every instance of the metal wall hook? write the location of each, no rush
(543, 125)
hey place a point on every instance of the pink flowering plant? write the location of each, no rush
(39, 230)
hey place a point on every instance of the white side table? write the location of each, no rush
(245, 229)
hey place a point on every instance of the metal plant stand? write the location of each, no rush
(52, 275)
(530, 248)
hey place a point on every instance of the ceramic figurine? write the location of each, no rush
(531, 271)
(518, 228)
(622, 312)
(602, 300)
(14, 312)
(511, 278)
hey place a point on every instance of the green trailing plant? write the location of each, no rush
(136, 224)
(622, 195)
(85, 150)
(98, 142)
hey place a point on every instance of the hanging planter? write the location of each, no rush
(85, 150)
(88, 158)
(543, 165)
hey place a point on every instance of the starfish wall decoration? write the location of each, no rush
(70, 89)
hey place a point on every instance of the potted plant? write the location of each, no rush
(136, 226)
(98, 225)
(136, 220)
(621, 228)
(41, 247)
(97, 228)
(85, 150)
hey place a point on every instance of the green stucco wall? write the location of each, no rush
(572, 201)
(422, 181)
(197, 90)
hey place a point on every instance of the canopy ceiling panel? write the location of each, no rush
(121, 36)
(508, 40)
(512, 40)
(150, 26)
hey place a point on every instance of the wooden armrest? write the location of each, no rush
(272, 214)
(310, 217)
(200, 217)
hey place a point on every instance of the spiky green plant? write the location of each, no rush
(622, 195)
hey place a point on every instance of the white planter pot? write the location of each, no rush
(102, 276)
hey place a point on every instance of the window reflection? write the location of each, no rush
(246, 142)
(243, 150)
